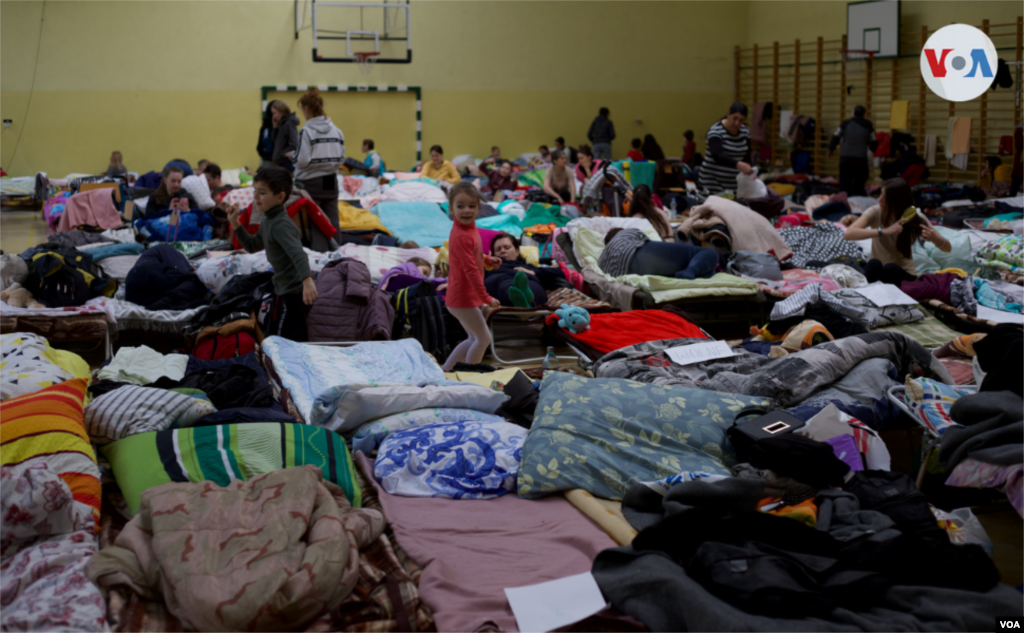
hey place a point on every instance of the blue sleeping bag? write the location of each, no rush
(194, 226)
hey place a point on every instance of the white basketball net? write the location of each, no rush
(856, 63)
(366, 60)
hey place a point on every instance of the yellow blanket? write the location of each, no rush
(353, 219)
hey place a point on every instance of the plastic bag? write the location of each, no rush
(755, 265)
(964, 528)
(750, 186)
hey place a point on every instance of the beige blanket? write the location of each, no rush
(269, 554)
(748, 230)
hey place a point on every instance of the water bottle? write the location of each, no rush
(550, 360)
(674, 212)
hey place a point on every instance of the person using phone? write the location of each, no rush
(170, 195)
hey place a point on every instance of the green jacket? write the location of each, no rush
(280, 237)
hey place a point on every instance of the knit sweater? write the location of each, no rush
(465, 268)
(618, 254)
(280, 237)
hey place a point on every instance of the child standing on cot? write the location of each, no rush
(467, 299)
(294, 289)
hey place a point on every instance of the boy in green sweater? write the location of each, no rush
(294, 289)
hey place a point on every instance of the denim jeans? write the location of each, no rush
(603, 150)
(669, 259)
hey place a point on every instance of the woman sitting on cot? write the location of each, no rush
(892, 237)
(516, 283)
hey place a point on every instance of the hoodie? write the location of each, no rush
(602, 130)
(321, 149)
(286, 138)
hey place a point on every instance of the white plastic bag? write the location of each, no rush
(964, 528)
(750, 186)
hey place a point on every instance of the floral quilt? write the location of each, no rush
(46, 542)
(605, 434)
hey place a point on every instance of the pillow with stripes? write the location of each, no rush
(226, 452)
(45, 427)
(132, 409)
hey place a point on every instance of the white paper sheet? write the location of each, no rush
(999, 316)
(550, 605)
(698, 352)
(886, 295)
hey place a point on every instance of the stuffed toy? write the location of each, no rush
(573, 318)
(18, 297)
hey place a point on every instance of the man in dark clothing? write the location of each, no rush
(601, 135)
(857, 135)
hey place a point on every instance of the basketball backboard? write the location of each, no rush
(341, 30)
(874, 26)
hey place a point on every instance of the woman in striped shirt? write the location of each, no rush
(728, 151)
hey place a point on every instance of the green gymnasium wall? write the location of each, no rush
(168, 79)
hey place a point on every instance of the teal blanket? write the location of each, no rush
(422, 222)
(639, 173)
(539, 213)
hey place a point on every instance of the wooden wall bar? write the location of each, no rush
(811, 78)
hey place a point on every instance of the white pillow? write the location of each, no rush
(200, 190)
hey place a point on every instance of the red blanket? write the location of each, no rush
(313, 211)
(609, 332)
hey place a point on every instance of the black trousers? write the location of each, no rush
(287, 318)
(886, 273)
(852, 176)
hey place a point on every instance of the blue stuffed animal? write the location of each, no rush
(573, 318)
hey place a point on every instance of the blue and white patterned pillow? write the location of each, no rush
(464, 460)
(370, 435)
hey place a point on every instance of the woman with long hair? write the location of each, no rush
(892, 239)
(642, 206)
(588, 164)
(116, 167)
(170, 195)
(286, 135)
(651, 150)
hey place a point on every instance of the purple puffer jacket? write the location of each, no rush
(348, 307)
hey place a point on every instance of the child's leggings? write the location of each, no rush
(472, 349)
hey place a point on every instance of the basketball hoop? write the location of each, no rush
(856, 61)
(365, 60)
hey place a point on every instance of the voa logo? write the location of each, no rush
(958, 62)
(1009, 624)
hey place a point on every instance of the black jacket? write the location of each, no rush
(498, 281)
(602, 130)
(162, 279)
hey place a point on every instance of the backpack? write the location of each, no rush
(224, 347)
(419, 307)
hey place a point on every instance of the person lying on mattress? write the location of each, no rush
(413, 271)
(516, 283)
(630, 252)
